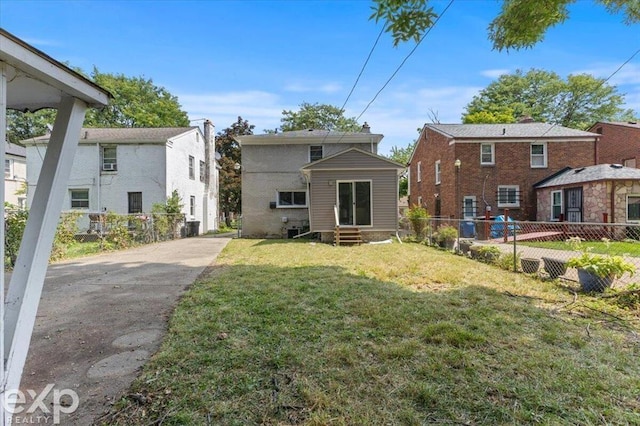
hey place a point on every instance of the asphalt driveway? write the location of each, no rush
(101, 317)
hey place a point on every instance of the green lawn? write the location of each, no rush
(614, 248)
(286, 333)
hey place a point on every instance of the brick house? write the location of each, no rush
(619, 143)
(497, 168)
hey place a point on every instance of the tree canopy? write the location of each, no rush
(402, 156)
(230, 173)
(137, 102)
(520, 24)
(577, 102)
(318, 116)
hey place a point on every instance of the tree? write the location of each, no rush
(25, 125)
(577, 102)
(520, 24)
(318, 116)
(402, 156)
(230, 173)
(137, 102)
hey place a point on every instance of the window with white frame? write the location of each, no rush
(315, 153)
(630, 162)
(469, 206)
(192, 206)
(538, 155)
(508, 196)
(633, 208)
(420, 201)
(292, 199)
(556, 205)
(109, 158)
(79, 198)
(419, 172)
(192, 166)
(8, 168)
(438, 172)
(487, 154)
(202, 170)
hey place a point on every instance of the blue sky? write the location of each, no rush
(225, 59)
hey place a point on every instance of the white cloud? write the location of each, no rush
(495, 73)
(304, 87)
(628, 74)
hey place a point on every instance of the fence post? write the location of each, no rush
(505, 233)
(515, 246)
(487, 218)
(458, 242)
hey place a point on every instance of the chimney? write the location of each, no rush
(365, 128)
(209, 150)
(526, 119)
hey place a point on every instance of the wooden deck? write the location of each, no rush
(531, 236)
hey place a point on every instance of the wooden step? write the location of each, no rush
(347, 236)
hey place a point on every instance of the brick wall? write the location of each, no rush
(619, 142)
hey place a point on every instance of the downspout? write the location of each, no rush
(99, 180)
(613, 198)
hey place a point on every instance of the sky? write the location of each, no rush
(256, 58)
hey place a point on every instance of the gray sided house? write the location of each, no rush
(303, 181)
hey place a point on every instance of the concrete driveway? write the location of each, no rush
(101, 317)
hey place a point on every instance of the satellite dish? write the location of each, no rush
(218, 156)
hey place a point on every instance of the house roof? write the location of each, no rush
(36, 81)
(351, 155)
(509, 131)
(16, 150)
(633, 124)
(590, 174)
(123, 134)
(309, 136)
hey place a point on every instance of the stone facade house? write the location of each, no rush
(604, 193)
(619, 143)
(467, 170)
(128, 170)
(316, 181)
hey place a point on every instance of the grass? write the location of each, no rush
(82, 249)
(614, 248)
(295, 333)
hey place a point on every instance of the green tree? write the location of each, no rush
(520, 24)
(577, 102)
(137, 102)
(402, 156)
(25, 125)
(318, 116)
(230, 172)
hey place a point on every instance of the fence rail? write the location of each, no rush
(543, 242)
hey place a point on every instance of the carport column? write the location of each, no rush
(28, 275)
(3, 138)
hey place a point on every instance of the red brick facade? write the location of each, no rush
(619, 143)
(512, 167)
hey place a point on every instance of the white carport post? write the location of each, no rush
(31, 265)
(31, 80)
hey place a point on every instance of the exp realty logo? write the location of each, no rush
(18, 411)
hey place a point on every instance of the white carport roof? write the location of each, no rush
(35, 80)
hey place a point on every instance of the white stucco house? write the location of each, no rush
(127, 170)
(15, 174)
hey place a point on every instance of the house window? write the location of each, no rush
(192, 172)
(109, 158)
(8, 165)
(556, 205)
(508, 196)
(437, 172)
(420, 201)
(192, 206)
(630, 162)
(538, 155)
(419, 172)
(202, 171)
(315, 153)
(292, 199)
(487, 154)
(79, 198)
(633, 208)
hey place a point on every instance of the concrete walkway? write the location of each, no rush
(101, 318)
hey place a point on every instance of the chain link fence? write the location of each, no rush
(532, 247)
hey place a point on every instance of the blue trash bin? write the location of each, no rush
(468, 230)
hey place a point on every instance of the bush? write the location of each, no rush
(118, 236)
(65, 234)
(419, 219)
(167, 217)
(14, 224)
(447, 234)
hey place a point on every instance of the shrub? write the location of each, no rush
(65, 234)
(447, 234)
(601, 265)
(118, 236)
(506, 261)
(419, 219)
(15, 222)
(167, 217)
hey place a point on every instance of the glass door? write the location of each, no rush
(354, 203)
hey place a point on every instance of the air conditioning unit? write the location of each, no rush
(109, 167)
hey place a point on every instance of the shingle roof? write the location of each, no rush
(591, 174)
(127, 134)
(509, 131)
(17, 150)
(309, 136)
